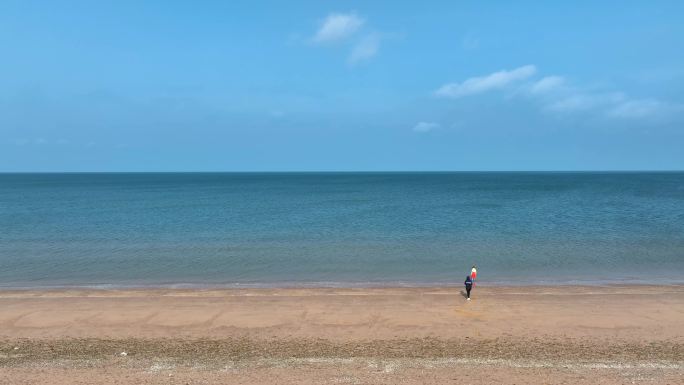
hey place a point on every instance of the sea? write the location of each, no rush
(347, 229)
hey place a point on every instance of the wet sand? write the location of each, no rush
(571, 334)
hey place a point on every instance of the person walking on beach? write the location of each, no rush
(468, 285)
(473, 274)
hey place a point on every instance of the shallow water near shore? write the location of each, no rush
(339, 229)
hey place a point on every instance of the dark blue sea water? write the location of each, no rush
(347, 229)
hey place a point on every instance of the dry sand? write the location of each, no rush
(597, 335)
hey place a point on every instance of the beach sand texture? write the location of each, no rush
(561, 334)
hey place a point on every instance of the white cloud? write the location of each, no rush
(365, 49)
(486, 83)
(425, 127)
(614, 105)
(351, 32)
(584, 101)
(547, 84)
(641, 108)
(338, 26)
(555, 94)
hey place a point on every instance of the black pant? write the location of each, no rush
(468, 287)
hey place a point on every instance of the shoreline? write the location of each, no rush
(232, 291)
(313, 285)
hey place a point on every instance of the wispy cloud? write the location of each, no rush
(486, 83)
(580, 101)
(40, 141)
(338, 26)
(365, 49)
(643, 108)
(547, 84)
(26, 141)
(351, 32)
(615, 105)
(423, 127)
(555, 94)
(276, 113)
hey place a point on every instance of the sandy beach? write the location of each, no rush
(561, 334)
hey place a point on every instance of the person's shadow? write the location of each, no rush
(464, 294)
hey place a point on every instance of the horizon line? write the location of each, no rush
(348, 171)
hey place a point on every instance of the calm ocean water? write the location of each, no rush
(270, 229)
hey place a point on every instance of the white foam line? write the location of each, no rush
(384, 365)
(160, 366)
(392, 365)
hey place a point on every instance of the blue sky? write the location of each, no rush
(272, 86)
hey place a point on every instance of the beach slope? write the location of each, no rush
(593, 334)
